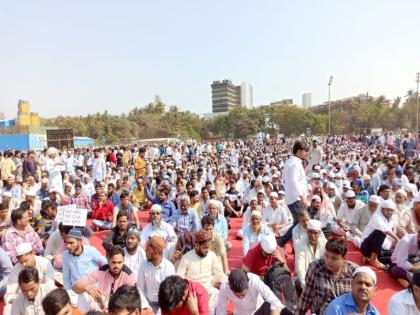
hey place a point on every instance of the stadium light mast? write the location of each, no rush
(329, 104)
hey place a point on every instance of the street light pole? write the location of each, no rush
(329, 104)
(417, 102)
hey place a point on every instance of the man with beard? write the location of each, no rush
(163, 200)
(185, 218)
(101, 284)
(153, 271)
(277, 216)
(403, 259)
(363, 289)
(379, 236)
(361, 219)
(203, 266)
(26, 258)
(346, 214)
(133, 253)
(7, 167)
(43, 191)
(79, 260)
(159, 227)
(307, 250)
(28, 302)
(10, 186)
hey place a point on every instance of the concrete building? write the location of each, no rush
(306, 100)
(227, 96)
(286, 101)
(246, 95)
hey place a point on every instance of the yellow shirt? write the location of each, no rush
(139, 167)
(139, 197)
(7, 168)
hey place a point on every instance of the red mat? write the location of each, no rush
(387, 286)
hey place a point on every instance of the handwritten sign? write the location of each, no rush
(72, 216)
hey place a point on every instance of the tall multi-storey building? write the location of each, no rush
(246, 95)
(227, 96)
(306, 100)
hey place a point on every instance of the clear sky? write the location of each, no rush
(86, 56)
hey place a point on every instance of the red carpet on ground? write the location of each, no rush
(387, 286)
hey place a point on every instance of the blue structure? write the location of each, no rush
(7, 123)
(83, 141)
(22, 142)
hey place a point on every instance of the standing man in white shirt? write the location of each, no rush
(153, 271)
(407, 302)
(249, 295)
(295, 185)
(98, 167)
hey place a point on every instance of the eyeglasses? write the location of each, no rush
(152, 213)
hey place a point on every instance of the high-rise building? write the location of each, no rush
(286, 101)
(2, 117)
(307, 100)
(227, 96)
(246, 95)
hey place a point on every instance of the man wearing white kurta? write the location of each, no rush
(247, 293)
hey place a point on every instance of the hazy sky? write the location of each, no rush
(87, 56)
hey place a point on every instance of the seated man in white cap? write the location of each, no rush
(379, 236)
(308, 249)
(26, 258)
(363, 289)
(299, 231)
(361, 219)
(12, 187)
(278, 218)
(346, 213)
(254, 231)
(262, 256)
(246, 218)
(408, 221)
(159, 227)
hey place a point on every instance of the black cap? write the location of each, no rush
(238, 280)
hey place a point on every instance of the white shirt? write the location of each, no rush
(150, 277)
(98, 169)
(45, 272)
(134, 261)
(406, 247)
(256, 295)
(165, 231)
(346, 214)
(295, 184)
(378, 222)
(402, 303)
(304, 255)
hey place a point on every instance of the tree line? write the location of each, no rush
(153, 121)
